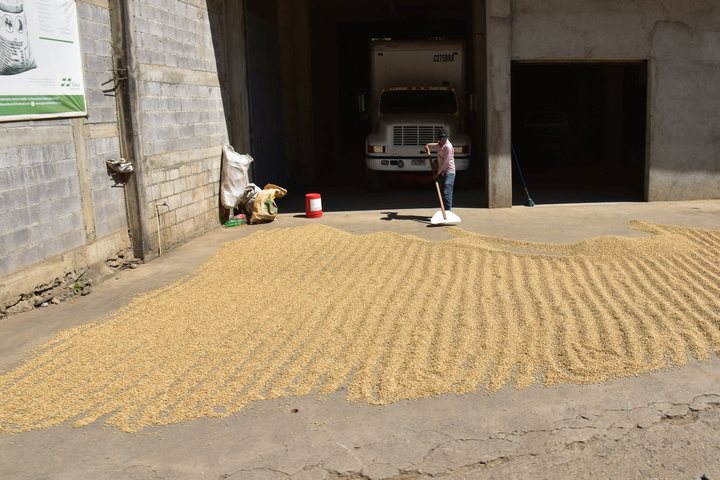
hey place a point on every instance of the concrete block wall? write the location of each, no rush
(680, 41)
(182, 125)
(39, 196)
(61, 209)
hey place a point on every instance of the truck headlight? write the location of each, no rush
(376, 148)
(461, 149)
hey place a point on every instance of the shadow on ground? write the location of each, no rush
(408, 197)
(389, 201)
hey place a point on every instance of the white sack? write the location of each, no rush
(234, 177)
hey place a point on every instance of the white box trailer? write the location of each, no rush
(417, 89)
(437, 63)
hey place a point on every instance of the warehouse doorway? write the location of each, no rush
(579, 131)
(343, 129)
(307, 61)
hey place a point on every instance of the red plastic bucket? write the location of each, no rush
(313, 205)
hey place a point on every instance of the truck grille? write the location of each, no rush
(414, 135)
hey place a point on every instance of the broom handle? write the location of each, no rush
(442, 207)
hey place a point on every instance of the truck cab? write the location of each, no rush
(407, 119)
(417, 91)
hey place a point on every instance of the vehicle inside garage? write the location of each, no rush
(579, 131)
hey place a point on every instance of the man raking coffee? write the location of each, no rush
(444, 175)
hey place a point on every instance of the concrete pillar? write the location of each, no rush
(122, 17)
(498, 126)
(83, 171)
(648, 193)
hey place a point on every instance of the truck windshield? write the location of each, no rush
(418, 101)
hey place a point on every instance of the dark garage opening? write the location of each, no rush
(307, 63)
(578, 130)
(341, 131)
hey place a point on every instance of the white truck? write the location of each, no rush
(417, 90)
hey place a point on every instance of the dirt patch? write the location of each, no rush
(292, 311)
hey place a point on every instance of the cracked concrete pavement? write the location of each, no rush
(661, 425)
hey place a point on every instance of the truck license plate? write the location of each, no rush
(418, 162)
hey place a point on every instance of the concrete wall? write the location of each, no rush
(178, 114)
(680, 40)
(62, 210)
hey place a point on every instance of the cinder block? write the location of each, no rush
(166, 190)
(74, 186)
(13, 199)
(67, 242)
(192, 182)
(101, 16)
(186, 198)
(16, 240)
(186, 170)
(195, 209)
(47, 192)
(174, 202)
(209, 191)
(179, 185)
(169, 218)
(8, 156)
(158, 176)
(28, 256)
(39, 173)
(11, 178)
(182, 213)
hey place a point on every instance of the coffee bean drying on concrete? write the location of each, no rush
(392, 317)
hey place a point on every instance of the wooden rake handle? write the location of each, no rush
(442, 207)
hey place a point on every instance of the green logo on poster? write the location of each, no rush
(66, 82)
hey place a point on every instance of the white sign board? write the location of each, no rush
(41, 73)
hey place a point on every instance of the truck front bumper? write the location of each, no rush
(409, 164)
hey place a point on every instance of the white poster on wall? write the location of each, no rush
(41, 73)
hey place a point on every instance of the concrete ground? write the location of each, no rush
(662, 425)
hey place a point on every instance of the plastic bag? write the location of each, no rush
(247, 199)
(234, 176)
(264, 207)
(15, 52)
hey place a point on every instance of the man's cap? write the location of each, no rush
(442, 134)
